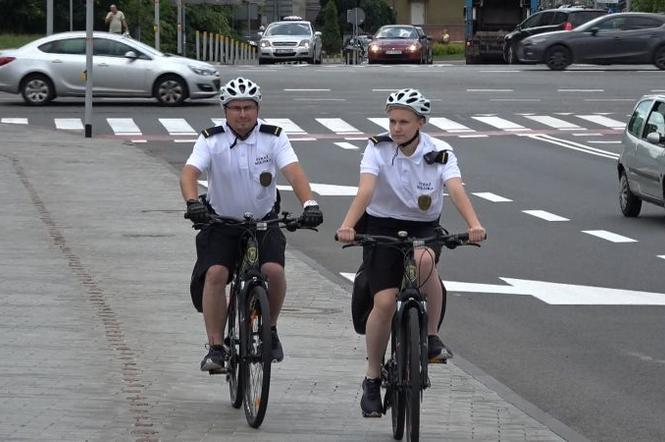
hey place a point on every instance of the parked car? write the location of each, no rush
(641, 165)
(54, 66)
(292, 39)
(622, 38)
(561, 19)
(400, 43)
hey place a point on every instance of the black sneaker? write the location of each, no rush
(437, 350)
(277, 351)
(370, 403)
(214, 360)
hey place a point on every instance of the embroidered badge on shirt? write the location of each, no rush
(265, 178)
(424, 202)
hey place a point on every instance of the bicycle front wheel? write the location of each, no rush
(258, 359)
(395, 394)
(234, 374)
(413, 376)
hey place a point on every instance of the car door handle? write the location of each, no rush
(57, 60)
(103, 65)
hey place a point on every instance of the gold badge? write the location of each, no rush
(424, 202)
(252, 255)
(265, 179)
(410, 273)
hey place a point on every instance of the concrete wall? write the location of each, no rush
(439, 15)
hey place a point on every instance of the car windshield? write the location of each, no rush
(145, 48)
(288, 29)
(397, 32)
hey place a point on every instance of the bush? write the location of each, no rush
(13, 41)
(440, 49)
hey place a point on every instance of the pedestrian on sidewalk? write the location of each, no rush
(116, 20)
(241, 158)
(402, 177)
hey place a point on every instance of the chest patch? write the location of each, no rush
(425, 186)
(263, 159)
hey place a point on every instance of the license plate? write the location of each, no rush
(283, 51)
(393, 52)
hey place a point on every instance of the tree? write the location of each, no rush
(332, 39)
(377, 14)
(648, 5)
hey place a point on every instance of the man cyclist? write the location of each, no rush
(402, 177)
(241, 158)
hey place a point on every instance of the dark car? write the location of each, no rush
(641, 166)
(561, 19)
(623, 38)
(400, 43)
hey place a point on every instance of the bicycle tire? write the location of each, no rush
(395, 394)
(234, 374)
(413, 376)
(258, 358)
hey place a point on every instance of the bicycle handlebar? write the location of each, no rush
(450, 240)
(287, 221)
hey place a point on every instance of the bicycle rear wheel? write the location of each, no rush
(256, 364)
(234, 374)
(413, 376)
(395, 394)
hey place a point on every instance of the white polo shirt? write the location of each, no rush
(234, 175)
(402, 182)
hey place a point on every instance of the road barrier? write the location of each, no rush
(223, 49)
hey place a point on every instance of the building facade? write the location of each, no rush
(433, 15)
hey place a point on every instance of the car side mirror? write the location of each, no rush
(131, 55)
(594, 30)
(317, 33)
(655, 138)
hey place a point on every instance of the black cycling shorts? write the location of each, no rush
(221, 245)
(385, 266)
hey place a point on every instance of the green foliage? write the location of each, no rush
(332, 39)
(13, 41)
(440, 49)
(648, 5)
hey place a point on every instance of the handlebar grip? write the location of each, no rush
(186, 215)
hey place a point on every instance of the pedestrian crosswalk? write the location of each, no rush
(312, 128)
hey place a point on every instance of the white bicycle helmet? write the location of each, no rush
(410, 98)
(240, 89)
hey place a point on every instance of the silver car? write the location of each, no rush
(641, 165)
(290, 40)
(54, 66)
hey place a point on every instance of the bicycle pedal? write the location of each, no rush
(218, 371)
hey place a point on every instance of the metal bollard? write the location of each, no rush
(204, 46)
(198, 55)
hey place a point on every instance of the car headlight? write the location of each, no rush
(412, 48)
(264, 43)
(304, 44)
(374, 48)
(201, 70)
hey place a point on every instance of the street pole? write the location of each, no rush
(49, 17)
(179, 27)
(71, 15)
(89, 18)
(157, 24)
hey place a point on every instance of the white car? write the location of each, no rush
(293, 39)
(54, 66)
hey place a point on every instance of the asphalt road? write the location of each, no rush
(560, 330)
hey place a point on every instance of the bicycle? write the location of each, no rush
(405, 374)
(249, 338)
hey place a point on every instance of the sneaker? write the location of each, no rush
(214, 360)
(370, 403)
(277, 351)
(437, 350)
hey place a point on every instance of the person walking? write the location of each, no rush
(116, 20)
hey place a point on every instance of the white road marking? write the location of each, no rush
(177, 126)
(489, 196)
(580, 90)
(338, 126)
(306, 90)
(556, 123)
(572, 145)
(610, 99)
(500, 71)
(285, 123)
(473, 136)
(218, 121)
(603, 121)
(515, 99)
(383, 90)
(449, 125)
(501, 123)
(10, 120)
(139, 141)
(661, 256)
(302, 139)
(490, 90)
(605, 142)
(346, 146)
(547, 216)
(383, 122)
(185, 141)
(327, 189)
(588, 134)
(123, 126)
(609, 236)
(68, 123)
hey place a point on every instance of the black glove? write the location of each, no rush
(311, 216)
(197, 212)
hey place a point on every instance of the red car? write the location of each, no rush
(400, 44)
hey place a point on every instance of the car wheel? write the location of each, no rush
(170, 90)
(659, 58)
(630, 204)
(37, 90)
(558, 58)
(264, 61)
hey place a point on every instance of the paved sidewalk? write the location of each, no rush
(99, 340)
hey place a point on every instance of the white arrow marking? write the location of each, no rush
(554, 293)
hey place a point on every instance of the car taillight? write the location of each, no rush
(6, 60)
(567, 26)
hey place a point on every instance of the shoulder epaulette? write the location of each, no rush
(270, 129)
(440, 157)
(207, 133)
(376, 139)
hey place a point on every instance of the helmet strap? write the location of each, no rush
(240, 137)
(416, 135)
